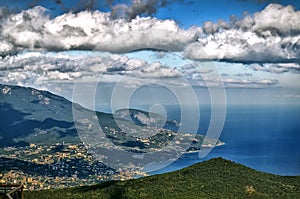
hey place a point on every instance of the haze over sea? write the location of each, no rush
(263, 137)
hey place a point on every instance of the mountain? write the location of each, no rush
(215, 178)
(144, 118)
(45, 136)
(26, 112)
(33, 116)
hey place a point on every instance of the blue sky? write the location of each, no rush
(185, 12)
(52, 44)
(197, 12)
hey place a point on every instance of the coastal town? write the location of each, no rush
(55, 166)
(67, 164)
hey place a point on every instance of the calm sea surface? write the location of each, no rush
(263, 137)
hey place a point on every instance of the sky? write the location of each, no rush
(185, 12)
(237, 49)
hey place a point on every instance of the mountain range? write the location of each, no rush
(34, 116)
(42, 134)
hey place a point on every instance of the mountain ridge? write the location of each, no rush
(35, 124)
(28, 111)
(215, 178)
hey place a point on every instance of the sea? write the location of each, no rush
(263, 137)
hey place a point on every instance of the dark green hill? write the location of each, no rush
(216, 178)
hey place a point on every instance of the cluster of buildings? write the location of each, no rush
(55, 166)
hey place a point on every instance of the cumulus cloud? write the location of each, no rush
(137, 8)
(272, 35)
(41, 69)
(276, 67)
(89, 30)
(38, 67)
(269, 36)
(274, 19)
(61, 5)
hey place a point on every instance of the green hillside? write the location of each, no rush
(216, 178)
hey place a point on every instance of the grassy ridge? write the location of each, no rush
(216, 178)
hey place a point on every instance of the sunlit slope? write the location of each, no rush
(216, 178)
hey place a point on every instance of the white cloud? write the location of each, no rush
(40, 67)
(138, 7)
(275, 17)
(276, 67)
(248, 83)
(5, 47)
(269, 40)
(272, 35)
(240, 46)
(232, 82)
(91, 30)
